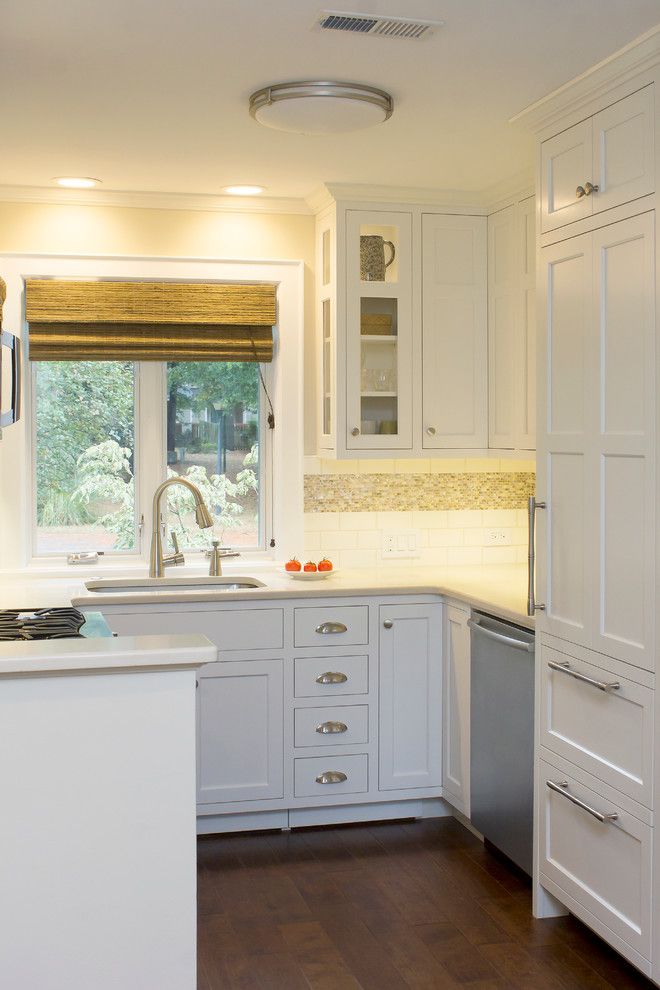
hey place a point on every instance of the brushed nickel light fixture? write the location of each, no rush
(320, 107)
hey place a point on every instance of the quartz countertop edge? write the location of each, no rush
(121, 654)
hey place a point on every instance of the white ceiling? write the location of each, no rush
(152, 95)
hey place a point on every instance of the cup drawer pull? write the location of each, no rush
(565, 668)
(330, 728)
(331, 777)
(332, 677)
(562, 788)
(327, 628)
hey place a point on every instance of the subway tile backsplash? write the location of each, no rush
(453, 513)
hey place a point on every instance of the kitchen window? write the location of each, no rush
(96, 424)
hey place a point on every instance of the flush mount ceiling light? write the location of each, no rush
(76, 182)
(320, 107)
(243, 190)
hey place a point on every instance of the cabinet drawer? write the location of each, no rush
(605, 729)
(346, 625)
(604, 866)
(343, 725)
(324, 677)
(344, 775)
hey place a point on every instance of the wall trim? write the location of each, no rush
(154, 200)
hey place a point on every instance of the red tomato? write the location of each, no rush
(293, 565)
(309, 567)
(325, 564)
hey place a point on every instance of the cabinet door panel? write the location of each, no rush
(624, 322)
(566, 531)
(456, 695)
(240, 732)
(526, 439)
(623, 150)
(566, 163)
(410, 738)
(454, 332)
(503, 326)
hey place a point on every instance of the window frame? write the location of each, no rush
(282, 449)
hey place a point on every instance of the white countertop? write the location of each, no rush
(501, 590)
(60, 656)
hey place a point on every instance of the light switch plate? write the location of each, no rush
(400, 545)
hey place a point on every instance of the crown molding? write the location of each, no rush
(153, 200)
(515, 187)
(333, 192)
(639, 55)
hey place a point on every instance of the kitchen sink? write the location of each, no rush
(128, 586)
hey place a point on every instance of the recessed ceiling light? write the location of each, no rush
(76, 182)
(244, 190)
(320, 107)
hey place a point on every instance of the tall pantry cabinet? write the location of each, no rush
(597, 850)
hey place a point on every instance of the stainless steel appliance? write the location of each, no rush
(502, 736)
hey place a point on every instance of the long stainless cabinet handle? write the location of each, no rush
(331, 627)
(330, 728)
(331, 777)
(532, 506)
(332, 677)
(565, 668)
(520, 644)
(13, 413)
(559, 788)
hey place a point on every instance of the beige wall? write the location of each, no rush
(55, 229)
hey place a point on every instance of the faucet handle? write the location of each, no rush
(175, 541)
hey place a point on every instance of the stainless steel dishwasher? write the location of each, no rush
(502, 736)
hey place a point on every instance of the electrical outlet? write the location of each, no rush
(498, 538)
(400, 545)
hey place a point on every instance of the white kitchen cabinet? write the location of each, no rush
(379, 331)
(240, 731)
(602, 162)
(595, 464)
(512, 327)
(596, 852)
(410, 722)
(454, 332)
(456, 709)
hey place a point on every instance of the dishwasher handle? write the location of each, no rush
(519, 644)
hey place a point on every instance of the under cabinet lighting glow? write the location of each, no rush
(76, 182)
(244, 190)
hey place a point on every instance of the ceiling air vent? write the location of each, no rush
(387, 27)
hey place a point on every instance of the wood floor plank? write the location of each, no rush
(392, 906)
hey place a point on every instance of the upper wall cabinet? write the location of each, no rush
(511, 326)
(402, 342)
(454, 332)
(601, 162)
(379, 336)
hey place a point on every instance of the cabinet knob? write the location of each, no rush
(331, 777)
(589, 188)
(388, 623)
(430, 430)
(331, 728)
(332, 677)
(355, 432)
(580, 192)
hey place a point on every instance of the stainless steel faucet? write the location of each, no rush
(202, 515)
(216, 556)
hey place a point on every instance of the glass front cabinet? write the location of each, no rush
(375, 326)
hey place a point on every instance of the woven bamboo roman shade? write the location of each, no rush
(149, 321)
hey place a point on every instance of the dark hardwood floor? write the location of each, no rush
(384, 907)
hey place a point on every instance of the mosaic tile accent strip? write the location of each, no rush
(417, 492)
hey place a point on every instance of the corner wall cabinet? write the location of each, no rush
(597, 850)
(401, 300)
(512, 326)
